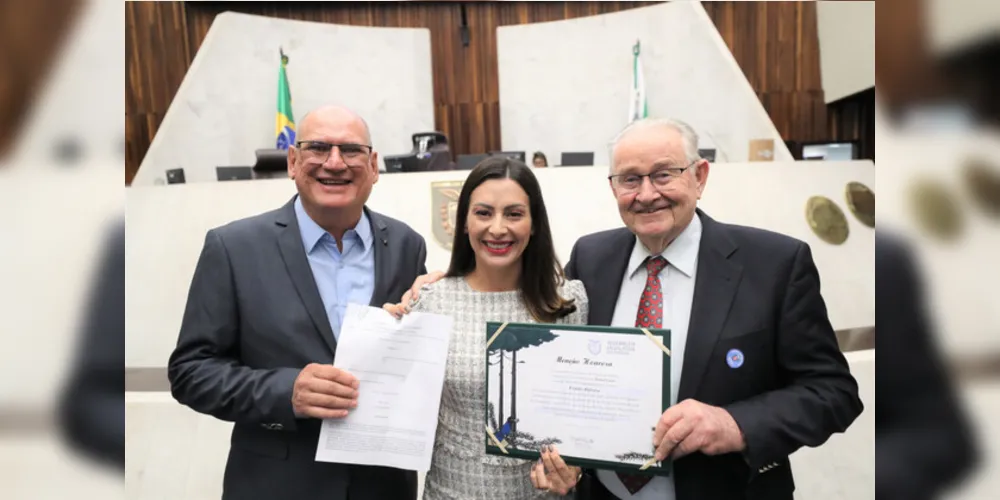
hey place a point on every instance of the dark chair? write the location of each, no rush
(401, 163)
(429, 141)
(271, 164)
(432, 151)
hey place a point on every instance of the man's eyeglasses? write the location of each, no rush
(318, 152)
(661, 178)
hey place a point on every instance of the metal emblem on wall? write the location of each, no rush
(827, 220)
(861, 201)
(983, 183)
(444, 207)
(936, 209)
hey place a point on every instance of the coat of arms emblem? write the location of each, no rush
(594, 346)
(444, 207)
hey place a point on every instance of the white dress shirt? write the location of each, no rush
(677, 282)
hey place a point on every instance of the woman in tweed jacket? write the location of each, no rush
(503, 268)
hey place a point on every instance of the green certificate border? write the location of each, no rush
(665, 467)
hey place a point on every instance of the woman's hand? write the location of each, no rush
(396, 310)
(552, 474)
(412, 296)
(423, 280)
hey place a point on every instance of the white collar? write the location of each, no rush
(682, 253)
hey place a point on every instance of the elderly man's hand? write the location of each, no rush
(552, 474)
(691, 426)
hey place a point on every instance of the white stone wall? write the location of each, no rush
(846, 47)
(225, 108)
(564, 85)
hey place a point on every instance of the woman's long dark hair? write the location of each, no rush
(541, 273)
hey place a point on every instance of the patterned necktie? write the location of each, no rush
(650, 315)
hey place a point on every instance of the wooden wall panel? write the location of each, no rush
(157, 56)
(777, 46)
(775, 43)
(853, 119)
(31, 36)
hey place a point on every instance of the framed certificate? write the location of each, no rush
(595, 393)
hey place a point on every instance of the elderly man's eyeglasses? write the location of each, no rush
(660, 178)
(318, 152)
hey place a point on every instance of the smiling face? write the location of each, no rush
(499, 223)
(339, 177)
(657, 213)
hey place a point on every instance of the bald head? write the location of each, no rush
(322, 120)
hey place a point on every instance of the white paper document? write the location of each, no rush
(400, 367)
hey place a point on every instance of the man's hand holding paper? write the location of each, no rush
(381, 398)
(691, 426)
(324, 391)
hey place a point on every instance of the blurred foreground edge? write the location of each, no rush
(924, 442)
(91, 415)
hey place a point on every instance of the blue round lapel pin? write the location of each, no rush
(734, 358)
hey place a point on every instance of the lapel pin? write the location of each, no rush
(734, 358)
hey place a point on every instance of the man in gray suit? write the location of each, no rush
(264, 311)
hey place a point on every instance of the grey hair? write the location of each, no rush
(688, 135)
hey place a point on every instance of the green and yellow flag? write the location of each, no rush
(637, 107)
(284, 124)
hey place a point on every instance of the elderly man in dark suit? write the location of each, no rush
(756, 369)
(264, 313)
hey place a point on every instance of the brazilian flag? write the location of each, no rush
(284, 124)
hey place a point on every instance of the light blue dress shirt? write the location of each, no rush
(342, 277)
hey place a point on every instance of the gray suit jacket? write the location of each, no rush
(254, 319)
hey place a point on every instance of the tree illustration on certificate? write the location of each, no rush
(502, 371)
(634, 457)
